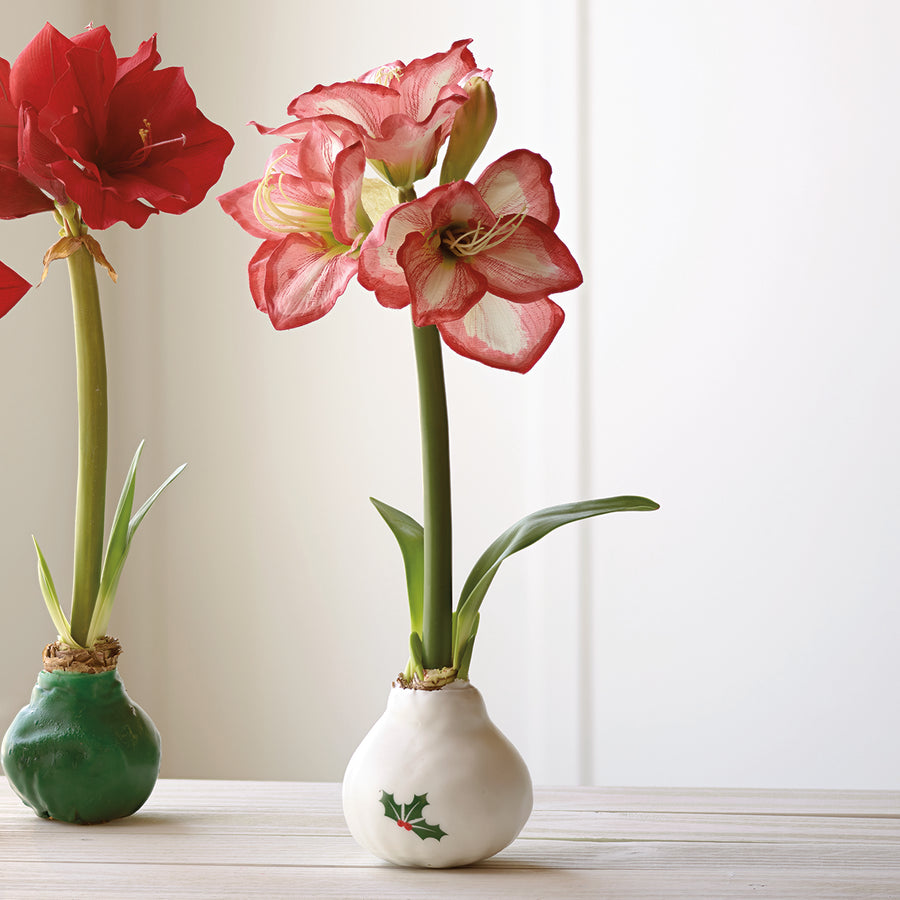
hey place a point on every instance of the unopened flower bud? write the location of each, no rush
(472, 126)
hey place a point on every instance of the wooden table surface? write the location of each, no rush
(220, 839)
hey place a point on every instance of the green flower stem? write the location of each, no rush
(437, 612)
(90, 364)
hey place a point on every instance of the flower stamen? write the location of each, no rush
(386, 74)
(286, 216)
(147, 145)
(480, 239)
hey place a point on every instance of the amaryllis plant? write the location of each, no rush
(474, 261)
(96, 139)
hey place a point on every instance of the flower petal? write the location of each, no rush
(36, 154)
(503, 334)
(304, 276)
(441, 286)
(364, 105)
(12, 288)
(18, 196)
(144, 60)
(238, 203)
(349, 218)
(256, 271)
(38, 66)
(379, 270)
(520, 182)
(529, 264)
(101, 206)
(424, 81)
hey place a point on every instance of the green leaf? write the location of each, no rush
(48, 590)
(424, 830)
(523, 534)
(413, 811)
(465, 652)
(122, 533)
(139, 515)
(415, 655)
(411, 537)
(391, 808)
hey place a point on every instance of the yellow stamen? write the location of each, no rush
(142, 152)
(386, 74)
(285, 216)
(479, 239)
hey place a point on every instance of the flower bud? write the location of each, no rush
(472, 126)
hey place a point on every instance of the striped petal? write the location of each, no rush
(503, 334)
(303, 277)
(348, 217)
(441, 287)
(379, 270)
(528, 264)
(517, 183)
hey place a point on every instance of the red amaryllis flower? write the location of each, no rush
(478, 260)
(308, 211)
(116, 136)
(12, 289)
(403, 112)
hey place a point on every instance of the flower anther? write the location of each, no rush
(147, 145)
(282, 215)
(384, 75)
(479, 239)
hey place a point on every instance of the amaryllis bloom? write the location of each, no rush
(478, 260)
(308, 211)
(116, 136)
(12, 289)
(403, 113)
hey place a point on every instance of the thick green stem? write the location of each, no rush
(437, 613)
(90, 364)
(437, 607)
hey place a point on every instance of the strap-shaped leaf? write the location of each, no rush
(48, 590)
(138, 517)
(416, 666)
(521, 535)
(117, 546)
(122, 533)
(463, 658)
(411, 537)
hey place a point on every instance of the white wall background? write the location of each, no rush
(728, 178)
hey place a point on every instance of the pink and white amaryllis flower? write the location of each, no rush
(308, 211)
(403, 113)
(478, 260)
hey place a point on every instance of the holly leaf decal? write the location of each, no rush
(424, 830)
(391, 809)
(410, 815)
(413, 811)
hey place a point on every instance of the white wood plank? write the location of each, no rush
(728, 800)
(274, 883)
(219, 839)
(305, 851)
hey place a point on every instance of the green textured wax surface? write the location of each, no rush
(81, 751)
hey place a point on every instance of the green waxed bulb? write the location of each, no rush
(81, 751)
